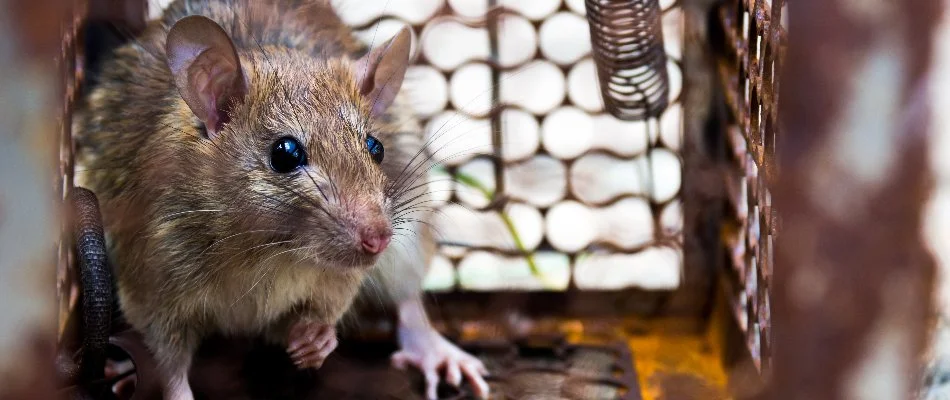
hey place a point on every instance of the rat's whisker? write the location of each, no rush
(430, 225)
(426, 146)
(414, 174)
(402, 210)
(273, 207)
(444, 129)
(264, 262)
(247, 251)
(401, 230)
(419, 209)
(301, 196)
(219, 241)
(399, 196)
(436, 204)
(165, 217)
(406, 173)
(415, 201)
(317, 185)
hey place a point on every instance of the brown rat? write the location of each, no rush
(253, 161)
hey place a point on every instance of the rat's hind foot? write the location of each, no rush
(310, 343)
(428, 351)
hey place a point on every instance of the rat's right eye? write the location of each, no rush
(286, 155)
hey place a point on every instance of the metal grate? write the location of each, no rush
(70, 60)
(519, 110)
(747, 64)
(533, 368)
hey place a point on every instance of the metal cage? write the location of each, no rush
(743, 164)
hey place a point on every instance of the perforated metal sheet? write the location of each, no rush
(536, 368)
(747, 66)
(597, 198)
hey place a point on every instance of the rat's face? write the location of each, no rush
(315, 170)
(292, 140)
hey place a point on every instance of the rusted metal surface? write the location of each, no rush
(71, 73)
(754, 40)
(84, 329)
(537, 367)
(31, 104)
(750, 42)
(546, 367)
(856, 279)
(585, 360)
(627, 42)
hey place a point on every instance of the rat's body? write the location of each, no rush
(212, 229)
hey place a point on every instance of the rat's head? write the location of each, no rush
(289, 140)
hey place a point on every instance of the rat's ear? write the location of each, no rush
(380, 72)
(206, 69)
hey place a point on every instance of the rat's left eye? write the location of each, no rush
(375, 148)
(286, 155)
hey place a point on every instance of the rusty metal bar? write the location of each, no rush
(31, 104)
(854, 278)
(748, 38)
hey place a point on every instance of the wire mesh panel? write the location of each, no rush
(594, 199)
(72, 74)
(747, 65)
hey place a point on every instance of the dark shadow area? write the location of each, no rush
(229, 368)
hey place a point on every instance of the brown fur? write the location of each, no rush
(203, 235)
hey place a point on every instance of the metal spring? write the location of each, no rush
(627, 42)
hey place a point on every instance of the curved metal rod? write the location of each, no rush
(96, 282)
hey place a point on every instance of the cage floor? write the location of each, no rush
(648, 366)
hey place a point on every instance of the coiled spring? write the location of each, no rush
(627, 42)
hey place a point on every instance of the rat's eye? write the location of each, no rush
(375, 148)
(286, 155)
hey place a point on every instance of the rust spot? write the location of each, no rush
(688, 387)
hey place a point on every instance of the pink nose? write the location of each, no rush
(376, 243)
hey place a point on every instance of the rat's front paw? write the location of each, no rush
(310, 343)
(428, 351)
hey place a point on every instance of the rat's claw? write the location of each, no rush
(453, 374)
(432, 381)
(474, 370)
(310, 343)
(430, 352)
(402, 359)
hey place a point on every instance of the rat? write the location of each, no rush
(253, 163)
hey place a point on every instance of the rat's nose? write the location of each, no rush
(375, 242)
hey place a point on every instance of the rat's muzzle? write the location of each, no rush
(371, 230)
(375, 240)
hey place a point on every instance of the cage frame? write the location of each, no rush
(690, 303)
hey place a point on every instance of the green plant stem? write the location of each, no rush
(470, 181)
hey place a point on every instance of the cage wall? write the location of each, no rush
(595, 199)
(749, 40)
